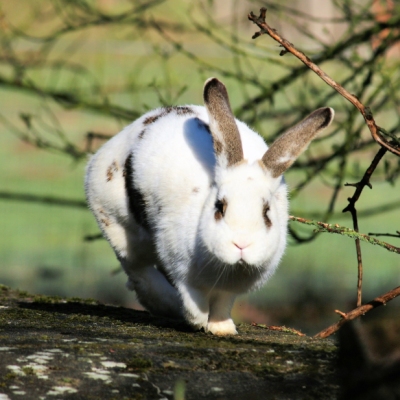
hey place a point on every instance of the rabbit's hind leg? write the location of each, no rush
(133, 248)
(154, 292)
(196, 305)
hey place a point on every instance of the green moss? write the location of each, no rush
(139, 364)
(47, 299)
(10, 376)
(28, 371)
(81, 301)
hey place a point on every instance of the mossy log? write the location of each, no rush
(79, 349)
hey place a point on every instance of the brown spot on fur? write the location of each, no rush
(196, 189)
(105, 220)
(217, 216)
(151, 119)
(113, 168)
(141, 134)
(183, 110)
(136, 200)
(179, 110)
(267, 220)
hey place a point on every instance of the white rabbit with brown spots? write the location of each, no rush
(194, 204)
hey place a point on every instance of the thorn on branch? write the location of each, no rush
(342, 314)
(257, 34)
(283, 52)
(258, 21)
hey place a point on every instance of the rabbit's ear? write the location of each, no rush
(227, 144)
(285, 150)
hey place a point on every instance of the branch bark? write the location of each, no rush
(351, 207)
(288, 47)
(357, 312)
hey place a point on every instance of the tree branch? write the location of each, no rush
(357, 312)
(31, 198)
(393, 147)
(341, 230)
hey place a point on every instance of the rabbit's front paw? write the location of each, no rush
(222, 328)
(199, 322)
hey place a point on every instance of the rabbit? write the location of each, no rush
(195, 207)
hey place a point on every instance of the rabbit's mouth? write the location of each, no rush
(244, 265)
(213, 271)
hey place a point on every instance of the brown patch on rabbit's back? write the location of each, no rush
(111, 170)
(182, 110)
(151, 119)
(179, 110)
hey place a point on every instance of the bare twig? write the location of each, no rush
(279, 329)
(396, 235)
(92, 238)
(346, 317)
(90, 136)
(365, 181)
(31, 198)
(288, 47)
(70, 100)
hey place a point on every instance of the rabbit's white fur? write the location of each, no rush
(153, 189)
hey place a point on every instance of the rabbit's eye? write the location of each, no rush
(220, 208)
(267, 220)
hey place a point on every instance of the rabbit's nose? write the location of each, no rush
(241, 245)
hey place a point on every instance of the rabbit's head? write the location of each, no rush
(244, 221)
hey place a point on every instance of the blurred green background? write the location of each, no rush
(69, 68)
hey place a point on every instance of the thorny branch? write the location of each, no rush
(357, 312)
(288, 47)
(393, 146)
